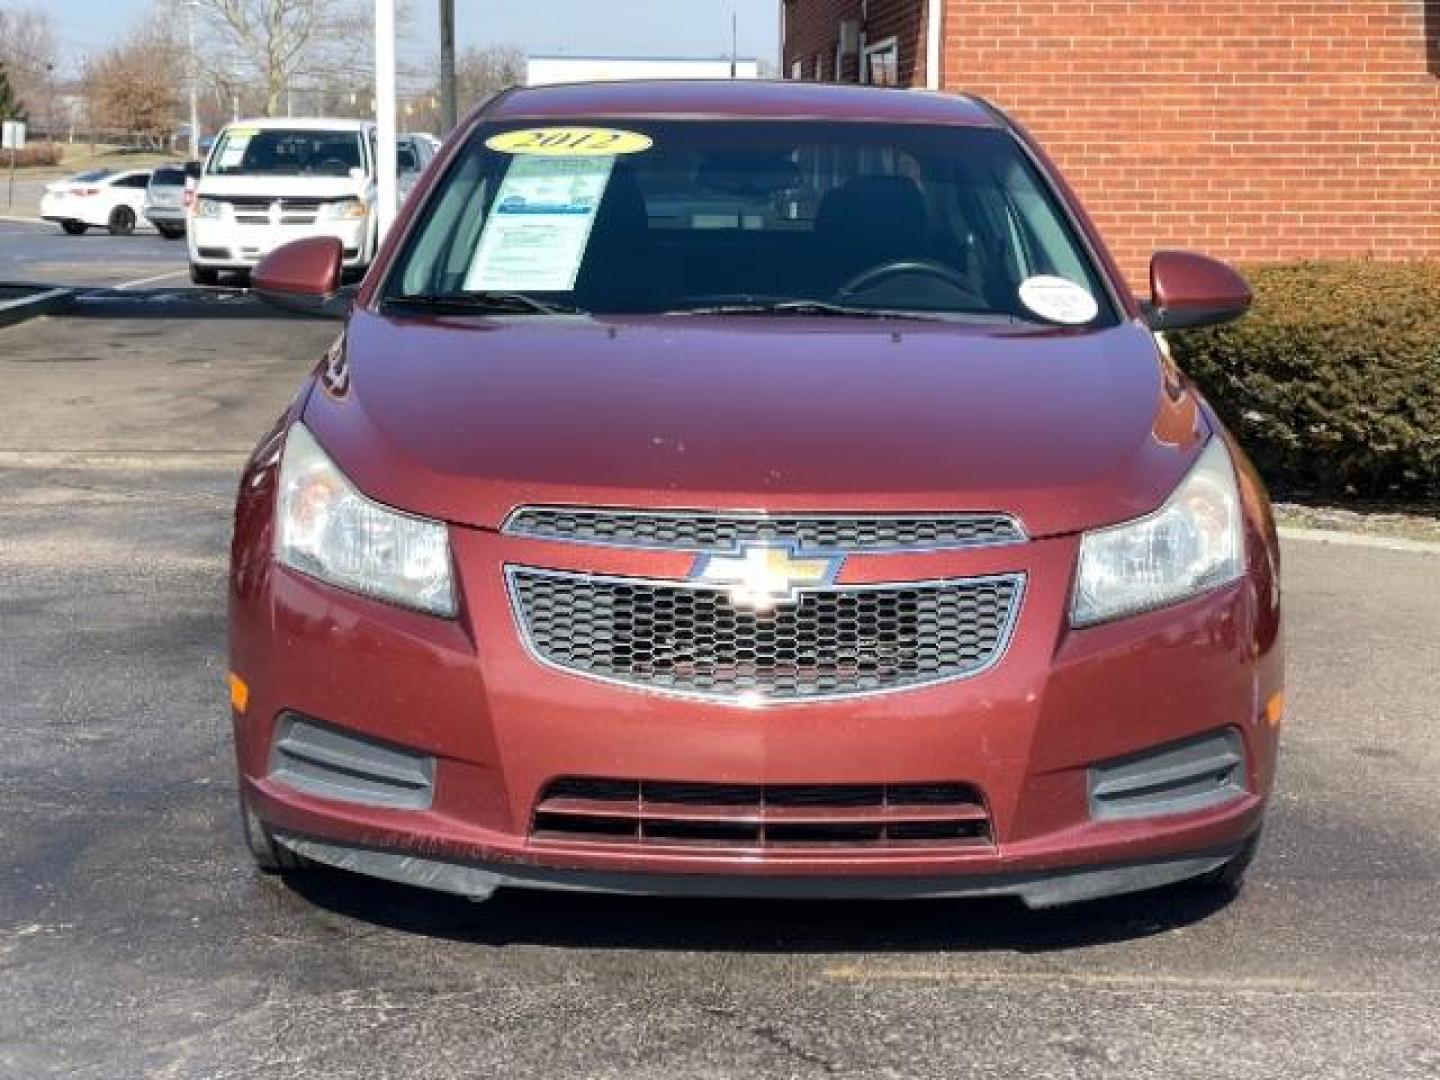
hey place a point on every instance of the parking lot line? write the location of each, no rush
(149, 280)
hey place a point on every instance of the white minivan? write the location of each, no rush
(267, 182)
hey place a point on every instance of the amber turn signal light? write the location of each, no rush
(239, 693)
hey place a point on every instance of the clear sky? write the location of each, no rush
(625, 27)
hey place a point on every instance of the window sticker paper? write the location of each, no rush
(540, 224)
(1059, 300)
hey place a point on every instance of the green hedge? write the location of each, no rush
(1333, 380)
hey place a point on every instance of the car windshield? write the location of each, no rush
(167, 177)
(285, 152)
(747, 217)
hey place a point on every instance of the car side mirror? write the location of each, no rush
(303, 276)
(1192, 290)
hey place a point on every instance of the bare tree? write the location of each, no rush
(28, 53)
(480, 74)
(130, 87)
(286, 41)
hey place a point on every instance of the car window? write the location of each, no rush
(134, 180)
(92, 176)
(916, 218)
(168, 177)
(406, 159)
(285, 152)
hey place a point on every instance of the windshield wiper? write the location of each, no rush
(800, 308)
(485, 300)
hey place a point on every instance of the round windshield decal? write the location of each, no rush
(1059, 300)
(570, 142)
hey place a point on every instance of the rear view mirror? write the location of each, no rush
(1192, 290)
(303, 276)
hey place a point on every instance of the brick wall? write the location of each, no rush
(813, 27)
(1256, 130)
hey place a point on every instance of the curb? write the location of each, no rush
(22, 220)
(1360, 540)
(41, 302)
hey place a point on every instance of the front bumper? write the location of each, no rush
(1039, 889)
(224, 244)
(165, 215)
(1028, 734)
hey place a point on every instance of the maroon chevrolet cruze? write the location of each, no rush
(753, 490)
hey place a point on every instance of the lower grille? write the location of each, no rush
(692, 639)
(659, 813)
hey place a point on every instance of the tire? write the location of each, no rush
(172, 232)
(270, 857)
(204, 275)
(122, 221)
(74, 228)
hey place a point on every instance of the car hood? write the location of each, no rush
(466, 419)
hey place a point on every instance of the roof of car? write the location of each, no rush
(303, 124)
(739, 99)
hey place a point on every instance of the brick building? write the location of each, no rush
(1254, 130)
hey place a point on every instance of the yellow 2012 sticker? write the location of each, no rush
(570, 142)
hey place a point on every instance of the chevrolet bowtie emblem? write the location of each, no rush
(764, 576)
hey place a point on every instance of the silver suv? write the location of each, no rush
(165, 201)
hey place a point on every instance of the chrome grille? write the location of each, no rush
(255, 209)
(660, 813)
(690, 638)
(694, 531)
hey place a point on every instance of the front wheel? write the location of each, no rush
(269, 856)
(122, 221)
(74, 228)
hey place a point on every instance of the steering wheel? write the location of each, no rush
(877, 275)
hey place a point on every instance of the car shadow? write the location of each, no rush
(170, 303)
(596, 921)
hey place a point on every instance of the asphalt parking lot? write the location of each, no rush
(136, 940)
(41, 252)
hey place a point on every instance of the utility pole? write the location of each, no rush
(734, 44)
(190, 6)
(449, 107)
(387, 186)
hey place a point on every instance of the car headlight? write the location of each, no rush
(209, 208)
(330, 531)
(344, 210)
(1193, 543)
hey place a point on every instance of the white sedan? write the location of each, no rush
(101, 198)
